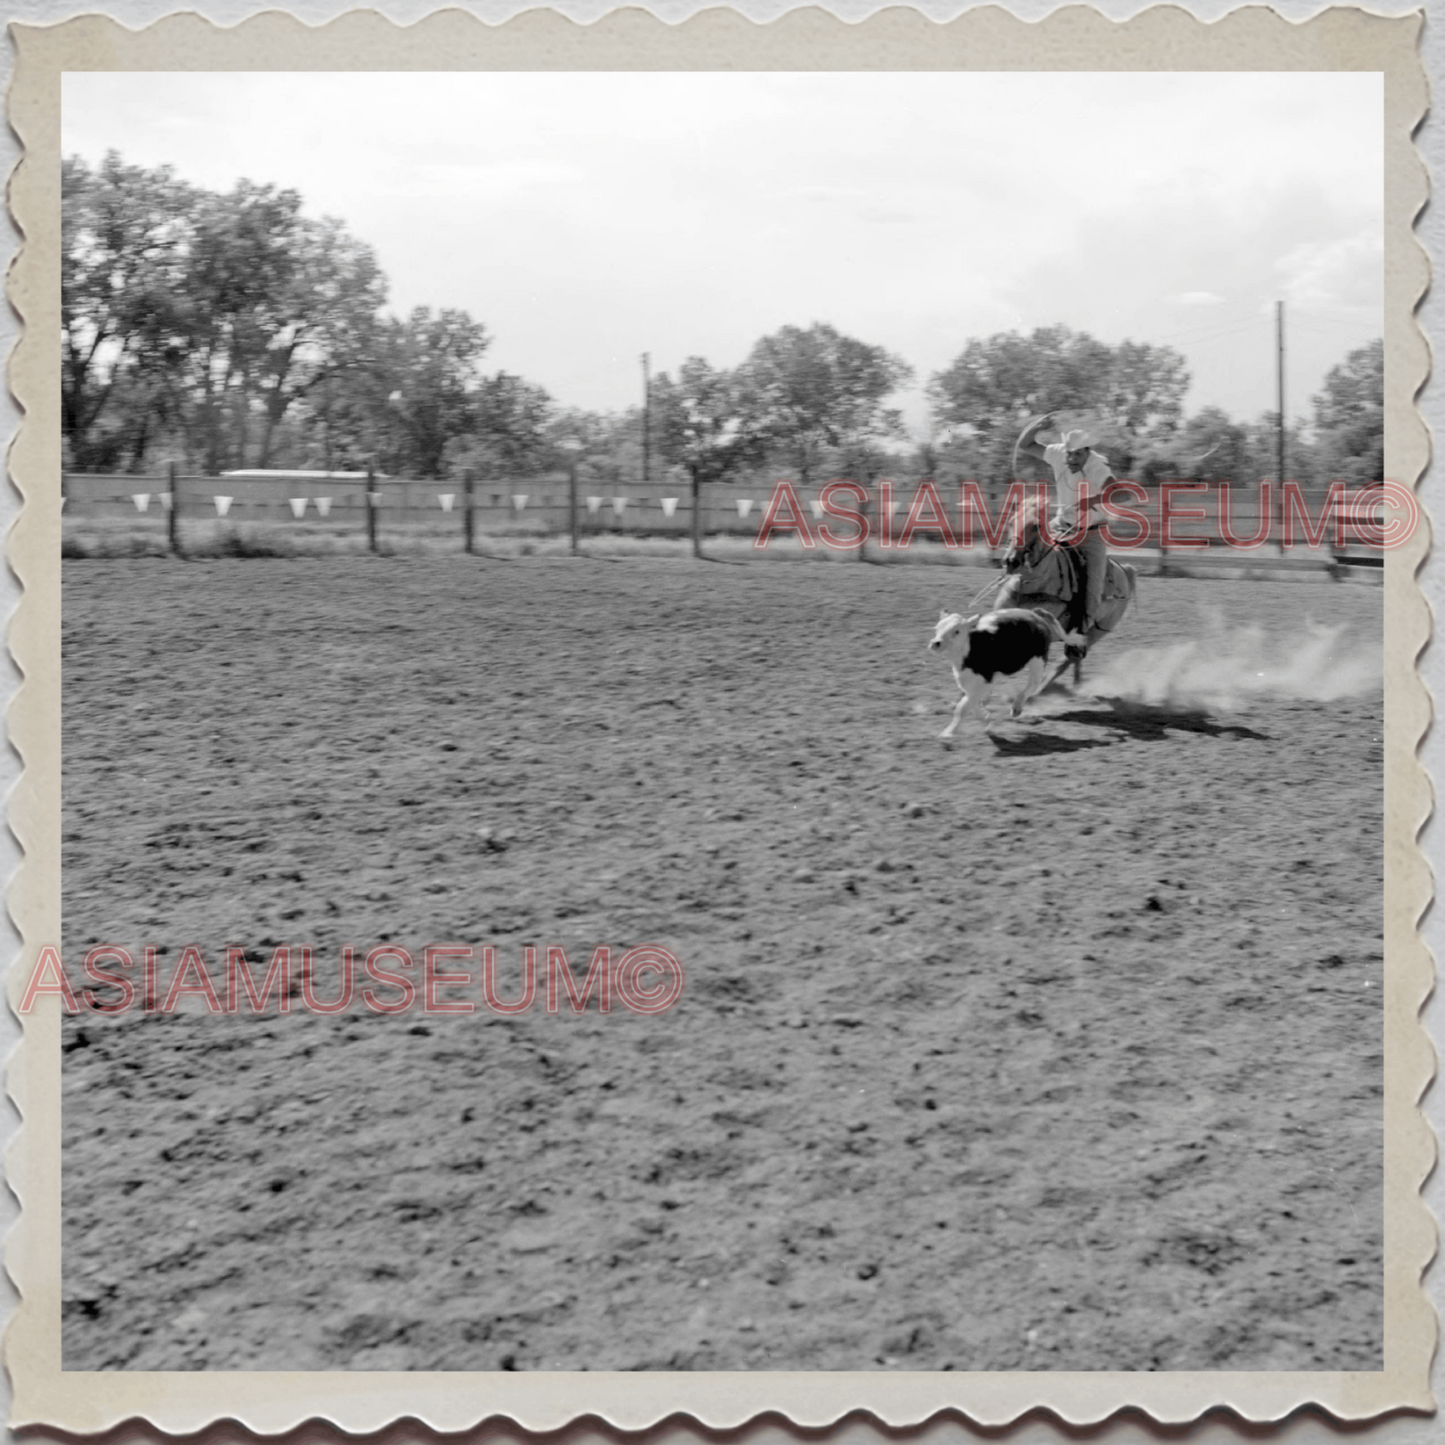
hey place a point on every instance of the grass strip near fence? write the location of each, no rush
(81, 539)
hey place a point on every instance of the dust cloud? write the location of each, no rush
(1230, 666)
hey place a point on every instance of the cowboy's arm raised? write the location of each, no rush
(1026, 443)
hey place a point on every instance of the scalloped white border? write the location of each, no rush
(801, 39)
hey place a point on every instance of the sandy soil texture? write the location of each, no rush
(1056, 1051)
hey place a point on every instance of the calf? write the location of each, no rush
(1004, 652)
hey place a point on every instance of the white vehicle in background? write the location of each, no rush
(1363, 520)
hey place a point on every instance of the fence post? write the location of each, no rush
(172, 513)
(572, 496)
(696, 516)
(372, 498)
(467, 523)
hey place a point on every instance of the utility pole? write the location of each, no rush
(646, 416)
(1279, 440)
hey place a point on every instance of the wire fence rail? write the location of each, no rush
(1303, 523)
(351, 501)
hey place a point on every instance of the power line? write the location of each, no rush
(1358, 325)
(1230, 334)
(1228, 323)
(1338, 312)
(1361, 337)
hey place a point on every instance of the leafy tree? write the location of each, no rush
(274, 305)
(511, 418)
(124, 234)
(997, 383)
(212, 314)
(1263, 450)
(1209, 447)
(1144, 392)
(706, 422)
(509, 435)
(431, 365)
(345, 415)
(817, 389)
(596, 430)
(325, 324)
(864, 460)
(1133, 391)
(218, 317)
(240, 264)
(1349, 417)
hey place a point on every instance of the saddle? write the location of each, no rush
(1078, 595)
(1116, 584)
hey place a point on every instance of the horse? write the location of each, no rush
(1046, 577)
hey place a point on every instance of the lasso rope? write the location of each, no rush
(989, 588)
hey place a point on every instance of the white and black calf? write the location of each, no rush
(1001, 654)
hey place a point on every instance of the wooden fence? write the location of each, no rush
(1173, 521)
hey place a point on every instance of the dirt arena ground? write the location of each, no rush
(1059, 1051)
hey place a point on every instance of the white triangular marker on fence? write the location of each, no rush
(298, 506)
(618, 503)
(816, 505)
(142, 500)
(165, 500)
(63, 501)
(594, 504)
(374, 498)
(669, 506)
(446, 499)
(519, 500)
(892, 508)
(745, 505)
(323, 506)
(223, 505)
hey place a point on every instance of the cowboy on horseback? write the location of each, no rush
(1080, 476)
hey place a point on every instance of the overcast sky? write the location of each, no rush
(587, 218)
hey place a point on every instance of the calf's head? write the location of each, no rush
(950, 636)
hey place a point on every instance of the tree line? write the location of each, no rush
(227, 330)
(230, 330)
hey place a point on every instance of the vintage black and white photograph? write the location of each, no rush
(723, 721)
